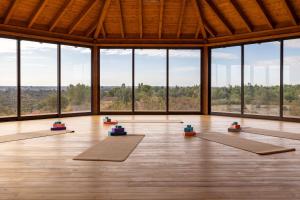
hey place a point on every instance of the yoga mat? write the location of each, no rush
(30, 135)
(113, 148)
(280, 134)
(150, 121)
(244, 144)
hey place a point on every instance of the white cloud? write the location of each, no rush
(292, 43)
(225, 56)
(115, 51)
(153, 52)
(186, 69)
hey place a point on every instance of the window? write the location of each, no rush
(75, 79)
(291, 80)
(226, 79)
(184, 80)
(8, 77)
(116, 79)
(262, 79)
(38, 78)
(150, 80)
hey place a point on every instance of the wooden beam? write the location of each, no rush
(82, 15)
(242, 15)
(103, 31)
(59, 14)
(200, 17)
(209, 29)
(220, 16)
(183, 2)
(161, 16)
(37, 12)
(95, 80)
(41, 35)
(292, 15)
(205, 81)
(10, 11)
(91, 29)
(121, 18)
(141, 17)
(256, 36)
(265, 13)
(101, 18)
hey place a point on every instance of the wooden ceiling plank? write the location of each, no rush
(265, 13)
(121, 19)
(101, 18)
(10, 11)
(82, 15)
(242, 15)
(140, 2)
(103, 31)
(37, 12)
(292, 15)
(209, 29)
(180, 20)
(220, 16)
(200, 17)
(60, 14)
(161, 16)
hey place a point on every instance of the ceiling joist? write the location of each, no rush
(37, 12)
(265, 13)
(59, 14)
(181, 17)
(291, 13)
(200, 17)
(121, 18)
(140, 2)
(82, 15)
(220, 16)
(10, 11)
(101, 18)
(161, 17)
(243, 17)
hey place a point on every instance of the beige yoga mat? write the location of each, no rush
(30, 135)
(244, 144)
(273, 133)
(113, 148)
(150, 121)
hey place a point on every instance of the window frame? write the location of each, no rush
(58, 114)
(166, 111)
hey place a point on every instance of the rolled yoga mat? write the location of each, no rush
(273, 133)
(113, 148)
(150, 121)
(30, 135)
(244, 144)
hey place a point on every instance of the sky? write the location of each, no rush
(262, 64)
(150, 67)
(39, 64)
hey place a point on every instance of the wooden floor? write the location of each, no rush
(165, 165)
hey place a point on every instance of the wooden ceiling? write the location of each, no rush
(152, 22)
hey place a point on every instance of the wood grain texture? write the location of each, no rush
(165, 165)
(153, 19)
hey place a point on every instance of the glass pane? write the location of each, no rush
(75, 79)
(184, 80)
(291, 78)
(226, 79)
(150, 80)
(115, 79)
(38, 78)
(8, 77)
(262, 78)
